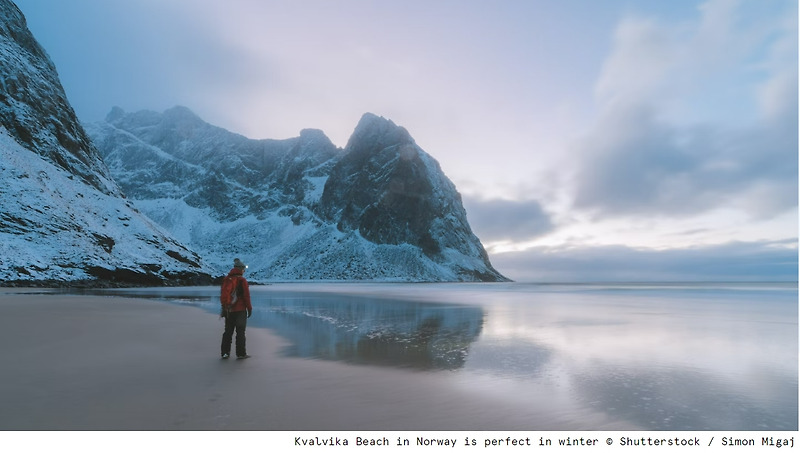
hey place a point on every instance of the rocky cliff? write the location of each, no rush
(63, 219)
(301, 208)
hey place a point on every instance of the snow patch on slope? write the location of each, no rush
(55, 227)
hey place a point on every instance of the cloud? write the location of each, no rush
(694, 117)
(637, 164)
(506, 220)
(735, 261)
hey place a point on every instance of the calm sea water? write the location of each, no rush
(650, 356)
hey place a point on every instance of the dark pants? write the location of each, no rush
(235, 320)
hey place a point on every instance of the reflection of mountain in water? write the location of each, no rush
(350, 328)
(357, 329)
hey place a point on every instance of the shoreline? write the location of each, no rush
(94, 363)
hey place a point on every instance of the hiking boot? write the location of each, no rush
(225, 356)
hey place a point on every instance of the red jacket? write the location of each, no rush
(243, 291)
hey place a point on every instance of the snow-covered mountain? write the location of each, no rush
(301, 208)
(62, 217)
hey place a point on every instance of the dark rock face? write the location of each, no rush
(34, 108)
(63, 220)
(298, 208)
(392, 192)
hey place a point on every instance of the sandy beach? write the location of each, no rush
(351, 358)
(110, 363)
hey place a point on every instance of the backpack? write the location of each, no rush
(229, 293)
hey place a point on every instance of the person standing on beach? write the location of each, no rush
(236, 308)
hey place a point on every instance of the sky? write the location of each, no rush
(621, 140)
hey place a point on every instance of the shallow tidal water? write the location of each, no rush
(695, 356)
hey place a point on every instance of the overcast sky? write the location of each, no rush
(622, 139)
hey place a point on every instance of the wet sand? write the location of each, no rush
(107, 363)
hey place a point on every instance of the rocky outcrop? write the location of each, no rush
(34, 108)
(392, 192)
(63, 220)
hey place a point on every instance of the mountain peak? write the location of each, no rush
(375, 131)
(115, 114)
(181, 112)
(369, 118)
(313, 134)
(379, 209)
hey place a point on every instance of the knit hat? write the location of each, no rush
(239, 264)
